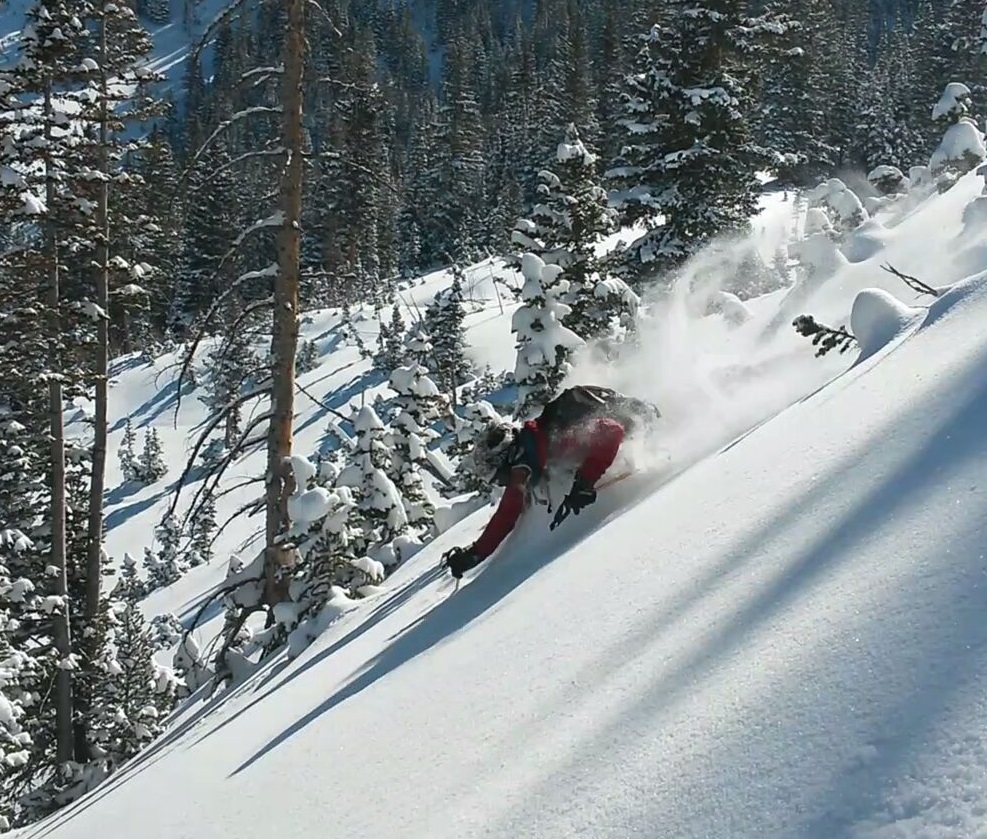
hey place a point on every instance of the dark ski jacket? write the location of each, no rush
(592, 445)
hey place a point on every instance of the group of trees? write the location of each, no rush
(80, 690)
(340, 139)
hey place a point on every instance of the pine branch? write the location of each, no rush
(826, 338)
(913, 283)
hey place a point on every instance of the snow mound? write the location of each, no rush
(962, 141)
(953, 100)
(877, 318)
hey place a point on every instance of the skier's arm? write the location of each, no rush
(605, 440)
(508, 511)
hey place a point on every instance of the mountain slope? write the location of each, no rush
(786, 639)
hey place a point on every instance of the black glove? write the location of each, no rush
(460, 560)
(581, 495)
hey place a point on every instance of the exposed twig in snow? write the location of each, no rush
(913, 283)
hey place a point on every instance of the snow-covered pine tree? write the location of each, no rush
(129, 467)
(443, 325)
(231, 364)
(418, 347)
(791, 119)
(391, 342)
(565, 225)
(308, 357)
(841, 205)
(688, 156)
(20, 674)
(166, 631)
(381, 516)
(203, 531)
(136, 692)
(130, 587)
(42, 159)
(165, 565)
(962, 146)
(419, 405)
(473, 422)
(544, 344)
(152, 466)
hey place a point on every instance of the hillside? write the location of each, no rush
(774, 629)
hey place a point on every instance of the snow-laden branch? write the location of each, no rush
(225, 126)
(275, 219)
(276, 151)
(332, 26)
(261, 74)
(228, 14)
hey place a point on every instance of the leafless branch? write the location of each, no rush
(215, 173)
(211, 426)
(913, 283)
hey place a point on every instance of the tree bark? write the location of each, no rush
(94, 534)
(62, 635)
(285, 332)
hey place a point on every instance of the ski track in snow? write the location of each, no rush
(775, 630)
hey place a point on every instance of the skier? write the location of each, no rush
(583, 427)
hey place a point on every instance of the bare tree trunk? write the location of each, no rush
(285, 335)
(63, 639)
(94, 534)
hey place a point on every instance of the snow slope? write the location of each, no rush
(774, 633)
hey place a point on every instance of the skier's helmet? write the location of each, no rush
(489, 457)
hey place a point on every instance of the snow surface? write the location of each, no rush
(775, 629)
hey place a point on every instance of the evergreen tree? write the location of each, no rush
(130, 587)
(203, 532)
(136, 693)
(544, 345)
(381, 516)
(129, 467)
(689, 156)
(419, 406)
(152, 466)
(962, 147)
(475, 420)
(446, 336)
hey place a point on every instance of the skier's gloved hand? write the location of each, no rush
(581, 495)
(460, 560)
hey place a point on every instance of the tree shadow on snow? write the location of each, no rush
(894, 723)
(500, 576)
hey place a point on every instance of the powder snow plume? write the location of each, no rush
(712, 376)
